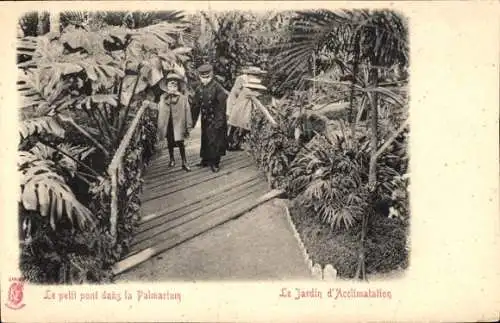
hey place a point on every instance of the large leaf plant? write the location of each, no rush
(78, 93)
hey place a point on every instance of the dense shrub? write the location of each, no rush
(66, 256)
(328, 177)
(331, 173)
(273, 148)
(69, 255)
(325, 172)
(238, 38)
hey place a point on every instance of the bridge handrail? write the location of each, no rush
(264, 110)
(115, 167)
(261, 107)
(116, 164)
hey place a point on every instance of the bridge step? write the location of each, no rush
(192, 228)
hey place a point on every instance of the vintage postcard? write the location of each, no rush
(251, 161)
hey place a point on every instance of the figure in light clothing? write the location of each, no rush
(240, 106)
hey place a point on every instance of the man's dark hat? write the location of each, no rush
(205, 69)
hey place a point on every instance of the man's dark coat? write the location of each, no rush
(210, 101)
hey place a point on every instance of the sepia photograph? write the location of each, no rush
(250, 161)
(213, 145)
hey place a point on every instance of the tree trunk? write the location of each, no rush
(355, 70)
(313, 91)
(372, 174)
(39, 27)
(55, 22)
(43, 23)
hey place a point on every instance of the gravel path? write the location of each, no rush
(257, 246)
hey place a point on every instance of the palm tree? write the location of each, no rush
(363, 45)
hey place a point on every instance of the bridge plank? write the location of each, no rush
(161, 166)
(204, 176)
(183, 233)
(179, 205)
(169, 175)
(164, 203)
(151, 237)
(194, 206)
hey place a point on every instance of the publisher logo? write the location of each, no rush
(16, 294)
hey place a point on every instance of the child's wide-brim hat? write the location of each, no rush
(169, 77)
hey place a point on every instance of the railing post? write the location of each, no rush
(113, 218)
(114, 171)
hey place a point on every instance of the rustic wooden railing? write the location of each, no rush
(264, 110)
(116, 165)
(256, 102)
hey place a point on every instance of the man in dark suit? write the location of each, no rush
(210, 101)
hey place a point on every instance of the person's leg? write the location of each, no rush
(203, 163)
(238, 138)
(170, 141)
(242, 137)
(230, 137)
(182, 151)
(171, 154)
(204, 143)
(214, 164)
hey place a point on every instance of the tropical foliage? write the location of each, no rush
(274, 148)
(329, 176)
(234, 39)
(357, 167)
(339, 147)
(79, 91)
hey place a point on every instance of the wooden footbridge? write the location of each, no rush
(179, 205)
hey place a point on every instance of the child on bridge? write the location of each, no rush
(174, 117)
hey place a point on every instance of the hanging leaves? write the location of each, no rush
(111, 99)
(39, 126)
(46, 192)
